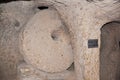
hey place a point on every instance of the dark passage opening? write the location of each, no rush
(110, 51)
(43, 7)
(5, 1)
(119, 44)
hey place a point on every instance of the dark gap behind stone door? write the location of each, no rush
(110, 51)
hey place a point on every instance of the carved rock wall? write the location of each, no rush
(72, 25)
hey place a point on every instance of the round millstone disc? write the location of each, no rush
(46, 43)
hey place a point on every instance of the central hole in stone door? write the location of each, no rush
(110, 51)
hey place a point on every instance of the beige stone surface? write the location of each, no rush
(13, 16)
(93, 14)
(46, 43)
(83, 18)
(26, 72)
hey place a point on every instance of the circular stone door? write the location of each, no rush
(45, 43)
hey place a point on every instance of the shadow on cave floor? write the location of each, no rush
(110, 51)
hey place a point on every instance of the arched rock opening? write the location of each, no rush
(110, 51)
